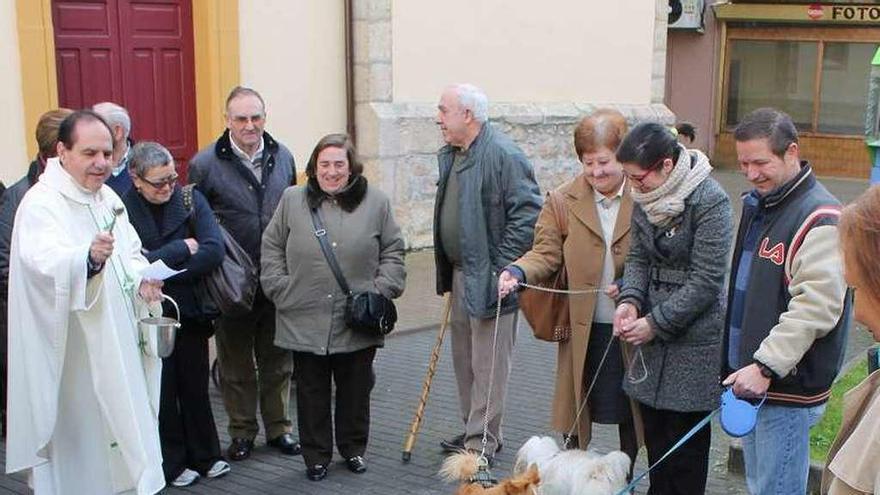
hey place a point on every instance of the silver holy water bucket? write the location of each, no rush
(158, 333)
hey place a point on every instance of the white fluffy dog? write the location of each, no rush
(571, 472)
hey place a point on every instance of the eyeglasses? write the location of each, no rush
(640, 177)
(637, 177)
(159, 184)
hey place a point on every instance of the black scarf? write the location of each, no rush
(349, 197)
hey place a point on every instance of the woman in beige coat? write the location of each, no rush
(598, 207)
(854, 458)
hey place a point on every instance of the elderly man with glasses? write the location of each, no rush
(243, 175)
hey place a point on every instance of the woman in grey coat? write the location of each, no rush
(672, 302)
(310, 305)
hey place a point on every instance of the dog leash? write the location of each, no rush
(638, 354)
(703, 422)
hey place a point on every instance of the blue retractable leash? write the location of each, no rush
(738, 419)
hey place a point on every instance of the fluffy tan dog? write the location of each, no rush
(462, 466)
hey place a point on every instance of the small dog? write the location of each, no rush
(463, 465)
(570, 472)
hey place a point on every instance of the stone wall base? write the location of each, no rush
(399, 141)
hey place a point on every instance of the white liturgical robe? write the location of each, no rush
(83, 397)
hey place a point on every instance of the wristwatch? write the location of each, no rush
(766, 372)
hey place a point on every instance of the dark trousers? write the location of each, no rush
(352, 373)
(253, 369)
(684, 472)
(186, 424)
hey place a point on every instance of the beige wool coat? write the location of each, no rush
(584, 252)
(853, 465)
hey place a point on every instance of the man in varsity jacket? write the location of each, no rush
(788, 305)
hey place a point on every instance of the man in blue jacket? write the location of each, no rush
(484, 218)
(243, 175)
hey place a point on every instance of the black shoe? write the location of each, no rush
(240, 449)
(356, 464)
(454, 444)
(286, 444)
(316, 472)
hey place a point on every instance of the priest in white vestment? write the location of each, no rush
(83, 393)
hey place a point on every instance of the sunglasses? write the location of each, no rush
(159, 184)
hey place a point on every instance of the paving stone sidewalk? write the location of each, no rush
(400, 369)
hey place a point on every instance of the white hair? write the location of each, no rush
(474, 99)
(115, 115)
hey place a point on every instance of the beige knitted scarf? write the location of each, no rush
(666, 202)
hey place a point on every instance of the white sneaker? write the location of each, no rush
(186, 478)
(219, 468)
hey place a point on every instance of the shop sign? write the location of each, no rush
(865, 14)
(855, 13)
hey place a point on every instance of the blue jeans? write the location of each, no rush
(777, 453)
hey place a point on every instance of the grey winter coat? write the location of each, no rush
(676, 276)
(296, 278)
(499, 201)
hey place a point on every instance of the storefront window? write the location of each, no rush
(783, 74)
(778, 74)
(845, 68)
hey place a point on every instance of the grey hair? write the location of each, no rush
(474, 99)
(115, 115)
(147, 155)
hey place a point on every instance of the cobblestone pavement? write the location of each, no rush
(400, 369)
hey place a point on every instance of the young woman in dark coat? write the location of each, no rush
(190, 239)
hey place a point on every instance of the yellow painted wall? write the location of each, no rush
(293, 54)
(28, 86)
(215, 33)
(525, 50)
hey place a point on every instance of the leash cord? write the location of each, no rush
(562, 291)
(703, 422)
(636, 356)
(485, 438)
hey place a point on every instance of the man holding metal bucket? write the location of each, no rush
(83, 396)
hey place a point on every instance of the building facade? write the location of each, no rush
(374, 68)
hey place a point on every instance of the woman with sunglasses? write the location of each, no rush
(671, 302)
(853, 465)
(184, 237)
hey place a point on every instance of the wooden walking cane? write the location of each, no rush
(426, 386)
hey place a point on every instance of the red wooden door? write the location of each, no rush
(137, 53)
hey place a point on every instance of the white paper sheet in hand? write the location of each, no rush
(158, 270)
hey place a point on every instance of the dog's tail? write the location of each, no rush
(460, 466)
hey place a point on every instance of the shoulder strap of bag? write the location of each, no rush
(321, 234)
(561, 212)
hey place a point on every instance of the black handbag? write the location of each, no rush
(230, 289)
(368, 311)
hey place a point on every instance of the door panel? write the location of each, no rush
(137, 53)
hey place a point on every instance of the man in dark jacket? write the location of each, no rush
(788, 304)
(47, 137)
(484, 218)
(243, 175)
